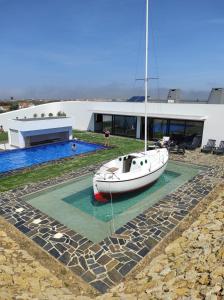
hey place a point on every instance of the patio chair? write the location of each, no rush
(164, 142)
(177, 149)
(209, 147)
(194, 144)
(220, 149)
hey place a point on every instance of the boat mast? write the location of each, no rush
(146, 68)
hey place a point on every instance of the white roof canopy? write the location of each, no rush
(153, 115)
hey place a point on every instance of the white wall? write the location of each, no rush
(81, 113)
(14, 138)
(29, 112)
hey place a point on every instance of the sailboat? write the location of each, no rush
(133, 171)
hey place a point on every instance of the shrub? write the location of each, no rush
(61, 114)
(42, 115)
(35, 115)
(50, 115)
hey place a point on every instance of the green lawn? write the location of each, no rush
(3, 137)
(119, 145)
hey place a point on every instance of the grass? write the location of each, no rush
(3, 136)
(119, 146)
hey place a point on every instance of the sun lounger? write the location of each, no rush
(177, 149)
(220, 149)
(209, 147)
(194, 144)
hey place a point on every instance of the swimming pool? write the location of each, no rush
(22, 158)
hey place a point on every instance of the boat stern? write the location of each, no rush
(98, 196)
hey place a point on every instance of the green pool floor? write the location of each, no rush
(72, 203)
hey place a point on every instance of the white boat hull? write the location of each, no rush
(106, 183)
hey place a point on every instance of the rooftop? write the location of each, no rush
(40, 119)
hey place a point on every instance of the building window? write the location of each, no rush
(102, 122)
(107, 122)
(125, 126)
(178, 130)
(118, 125)
(159, 128)
(193, 128)
(99, 118)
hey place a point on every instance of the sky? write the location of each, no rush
(95, 48)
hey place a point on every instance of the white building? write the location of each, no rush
(29, 132)
(173, 118)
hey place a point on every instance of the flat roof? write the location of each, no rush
(154, 115)
(41, 124)
(39, 119)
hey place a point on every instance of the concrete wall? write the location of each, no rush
(81, 113)
(213, 114)
(47, 108)
(14, 138)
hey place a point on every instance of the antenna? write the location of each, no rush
(146, 68)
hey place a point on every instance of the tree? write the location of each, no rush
(42, 115)
(35, 115)
(14, 106)
(50, 115)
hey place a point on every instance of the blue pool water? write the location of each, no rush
(23, 158)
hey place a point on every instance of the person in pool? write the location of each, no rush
(74, 146)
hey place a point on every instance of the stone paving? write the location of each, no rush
(105, 264)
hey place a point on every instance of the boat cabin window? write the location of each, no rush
(127, 163)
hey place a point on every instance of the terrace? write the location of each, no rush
(127, 251)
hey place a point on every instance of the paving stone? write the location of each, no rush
(133, 256)
(77, 270)
(60, 247)
(104, 259)
(100, 286)
(82, 262)
(127, 268)
(132, 246)
(120, 230)
(143, 251)
(88, 276)
(114, 276)
(65, 258)
(54, 252)
(39, 241)
(99, 270)
(24, 229)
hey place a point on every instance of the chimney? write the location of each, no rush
(173, 95)
(216, 96)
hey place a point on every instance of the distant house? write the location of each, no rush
(4, 107)
(25, 104)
